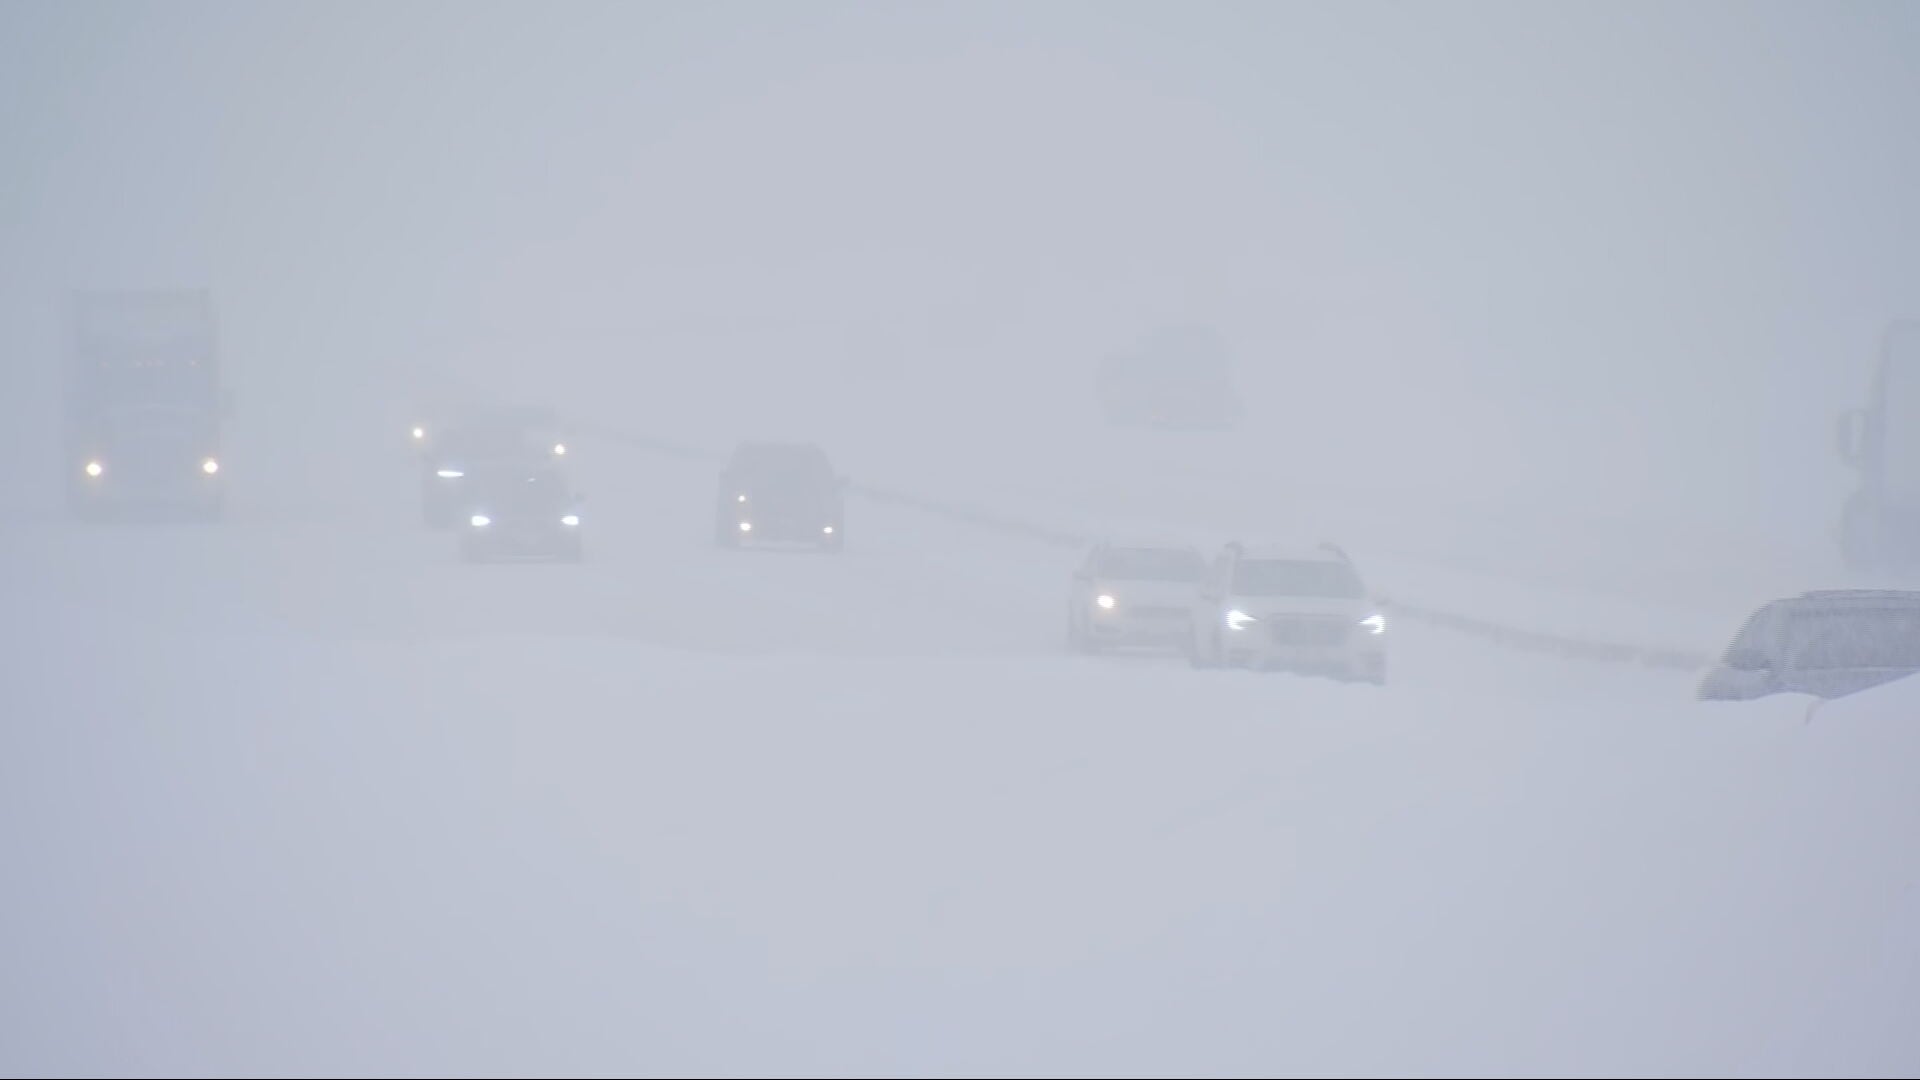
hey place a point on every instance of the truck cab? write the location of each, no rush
(1880, 525)
(1178, 378)
(144, 404)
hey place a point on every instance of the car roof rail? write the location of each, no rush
(1337, 551)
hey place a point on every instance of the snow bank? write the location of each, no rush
(510, 855)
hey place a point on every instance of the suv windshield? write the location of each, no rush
(528, 493)
(483, 442)
(1316, 578)
(1151, 564)
(785, 466)
(1865, 638)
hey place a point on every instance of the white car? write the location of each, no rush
(1133, 595)
(1289, 609)
(1827, 644)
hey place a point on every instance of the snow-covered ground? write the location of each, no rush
(308, 790)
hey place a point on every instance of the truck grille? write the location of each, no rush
(1162, 611)
(1308, 630)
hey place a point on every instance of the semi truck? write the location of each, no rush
(144, 404)
(1880, 524)
(1178, 378)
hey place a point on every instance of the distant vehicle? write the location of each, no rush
(1178, 378)
(1828, 644)
(780, 492)
(144, 404)
(521, 515)
(1288, 609)
(1880, 526)
(453, 459)
(1133, 595)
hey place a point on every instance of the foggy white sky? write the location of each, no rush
(1542, 309)
(1641, 251)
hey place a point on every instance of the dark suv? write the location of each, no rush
(523, 515)
(455, 461)
(780, 492)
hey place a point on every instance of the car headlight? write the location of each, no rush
(419, 434)
(1375, 624)
(570, 520)
(740, 498)
(480, 521)
(1106, 602)
(560, 449)
(1239, 620)
(746, 526)
(210, 466)
(826, 530)
(94, 469)
(449, 474)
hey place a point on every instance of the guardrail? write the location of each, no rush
(1503, 635)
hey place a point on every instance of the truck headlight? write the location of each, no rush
(1375, 624)
(94, 469)
(480, 521)
(210, 466)
(1106, 602)
(1239, 620)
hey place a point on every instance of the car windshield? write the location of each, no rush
(783, 466)
(1318, 578)
(1868, 638)
(1151, 564)
(538, 492)
(489, 442)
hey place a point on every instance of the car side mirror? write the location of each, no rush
(1847, 430)
(1748, 660)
